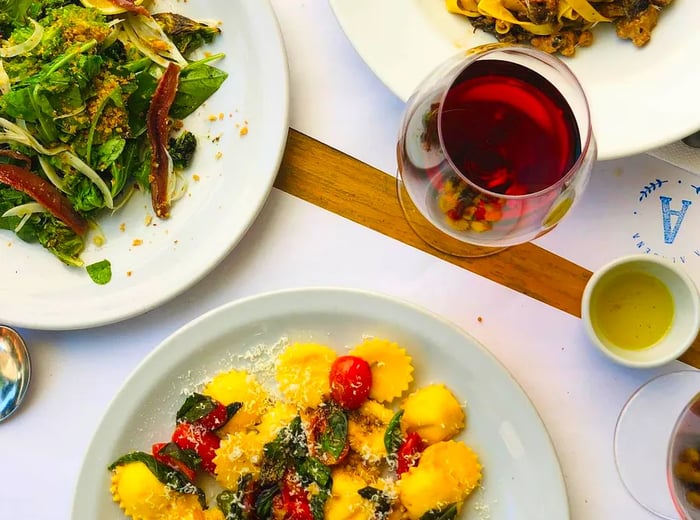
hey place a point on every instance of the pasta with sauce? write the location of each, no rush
(560, 26)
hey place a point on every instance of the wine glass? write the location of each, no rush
(657, 445)
(494, 148)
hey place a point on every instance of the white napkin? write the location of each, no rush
(679, 154)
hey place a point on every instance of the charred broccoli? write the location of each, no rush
(186, 34)
(182, 149)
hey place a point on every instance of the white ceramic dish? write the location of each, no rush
(522, 475)
(686, 320)
(37, 291)
(640, 98)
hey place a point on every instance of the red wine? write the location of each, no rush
(508, 129)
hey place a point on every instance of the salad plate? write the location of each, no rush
(503, 426)
(640, 98)
(241, 132)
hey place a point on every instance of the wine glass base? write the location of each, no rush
(642, 436)
(433, 236)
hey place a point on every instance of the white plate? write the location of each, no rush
(640, 98)
(522, 475)
(38, 291)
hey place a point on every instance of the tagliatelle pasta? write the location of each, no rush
(560, 26)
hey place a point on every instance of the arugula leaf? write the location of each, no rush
(82, 192)
(13, 11)
(198, 81)
(18, 104)
(170, 477)
(444, 513)
(100, 272)
(393, 437)
(121, 168)
(139, 101)
(115, 97)
(58, 238)
(108, 152)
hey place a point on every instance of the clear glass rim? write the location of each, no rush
(669, 462)
(479, 53)
(623, 410)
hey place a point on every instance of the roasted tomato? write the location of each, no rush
(328, 434)
(295, 501)
(166, 452)
(350, 381)
(409, 453)
(195, 437)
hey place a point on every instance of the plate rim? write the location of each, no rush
(610, 151)
(314, 294)
(278, 125)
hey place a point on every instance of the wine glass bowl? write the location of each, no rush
(655, 430)
(683, 461)
(494, 148)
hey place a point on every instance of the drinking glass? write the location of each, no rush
(494, 148)
(657, 445)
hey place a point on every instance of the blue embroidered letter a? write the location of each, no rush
(666, 212)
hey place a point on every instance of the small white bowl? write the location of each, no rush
(686, 318)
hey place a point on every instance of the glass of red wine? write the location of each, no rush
(494, 148)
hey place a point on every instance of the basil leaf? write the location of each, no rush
(172, 478)
(313, 470)
(263, 502)
(188, 457)
(195, 407)
(317, 503)
(393, 437)
(334, 438)
(445, 513)
(100, 272)
(380, 500)
(198, 81)
(289, 446)
(233, 503)
(232, 409)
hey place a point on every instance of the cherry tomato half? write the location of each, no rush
(193, 436)
(350, 380)
(161, 456)
(295, 501)
(409, 453)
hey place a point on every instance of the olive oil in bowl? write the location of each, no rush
(641, 310)
(632, 310)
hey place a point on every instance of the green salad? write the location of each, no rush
(92, 95)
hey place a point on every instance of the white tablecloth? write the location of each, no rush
(577, 392)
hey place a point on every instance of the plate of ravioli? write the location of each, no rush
(320, 403)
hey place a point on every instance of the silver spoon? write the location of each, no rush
(15, 371)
